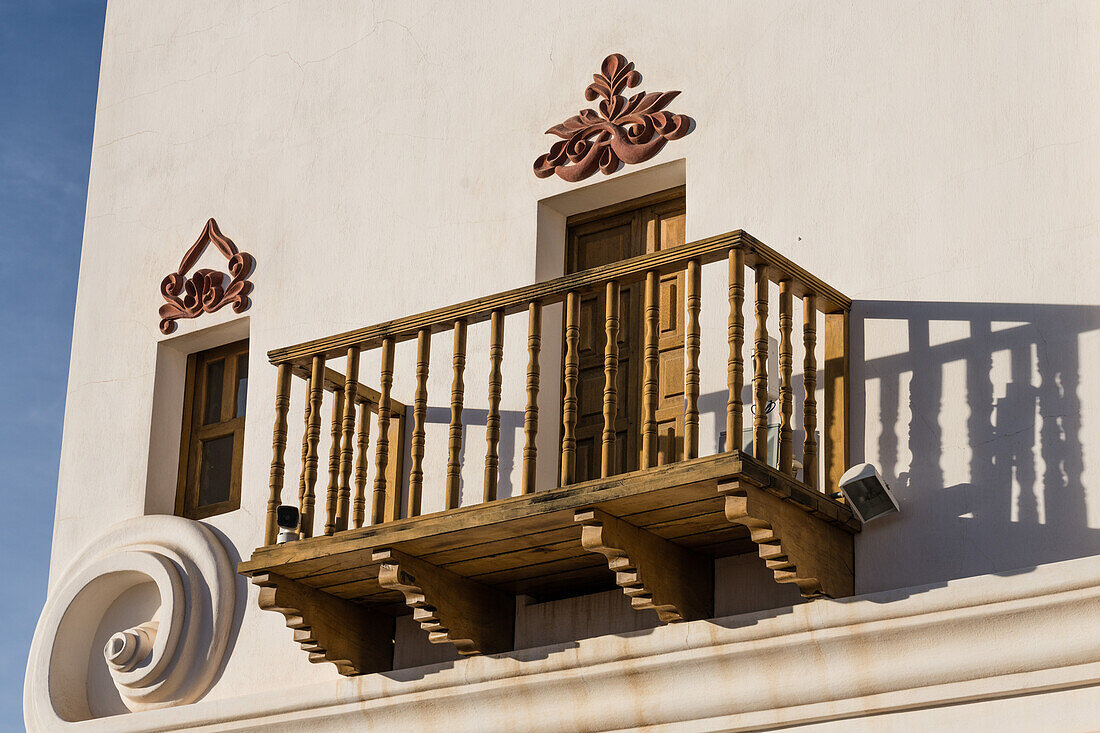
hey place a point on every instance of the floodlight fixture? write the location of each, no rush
(287, 517)
(866, 492)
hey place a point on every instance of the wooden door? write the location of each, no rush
(600, 238)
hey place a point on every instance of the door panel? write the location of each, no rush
(592, 243)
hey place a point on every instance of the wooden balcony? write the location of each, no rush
(654, 532)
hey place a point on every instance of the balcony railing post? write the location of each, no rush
(735, 365)
(569, 398)
(347, 446)
(454, 437)
(836, 398)
(278, 451)
(361, 460)
(786, 367)
(313, 439)
(760, 369)
(382, 444)
(531, 413)
(611, 377)
(333, 492)
(420, 412)
(492, 422)
(692, 342)
(651, 354)
(809, 378)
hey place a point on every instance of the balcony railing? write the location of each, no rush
(367, 536)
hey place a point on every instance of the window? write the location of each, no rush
(213, 432)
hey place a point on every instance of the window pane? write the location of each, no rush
(215, 470)
(242, 384)
(212, 411)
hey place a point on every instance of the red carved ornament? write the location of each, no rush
(624, 131)
(206, 291)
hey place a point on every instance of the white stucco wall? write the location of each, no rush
(936, 162)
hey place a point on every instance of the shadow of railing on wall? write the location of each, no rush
(980, 419)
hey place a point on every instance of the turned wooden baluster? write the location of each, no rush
(809, 377)
(347, 447)
(333, 492)
(611, 379)
(786, 366)
(382, 444)
(361, 461)
(760, 369)
(569, 398)
(313, 439)
(278, 451)
(420, 413)
(454, 437)
(692, 342)
(649, 370)
(735, 366)
(305, 452)
(492, 422)
(531, 413)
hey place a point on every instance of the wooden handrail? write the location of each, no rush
(674, 259)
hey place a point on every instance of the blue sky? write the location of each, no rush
(49, 71)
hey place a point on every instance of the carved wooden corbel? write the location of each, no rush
(796, 546)
(355, 639)
(654, 573)
(452, 609)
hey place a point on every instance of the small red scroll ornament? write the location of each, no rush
(625, 130)
(206, 291)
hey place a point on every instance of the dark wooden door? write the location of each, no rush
(597, 239)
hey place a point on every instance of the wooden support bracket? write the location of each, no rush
(654, 573)
(796, 546)
(452, 609)
(355, 639)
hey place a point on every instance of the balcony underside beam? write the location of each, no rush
(358, 640)
(475, 618)
(656, 574)
(795, 546)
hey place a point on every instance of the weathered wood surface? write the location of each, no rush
(355, 639)
(809, 379)
(655, 573)
(382, 443)
(278, 452)
(525, 541)
(492, 421)
(569, 396)
(795, 546)
(692, 344)
(420, 413)
(664, 261)
(454, 430)
(735, 364)
(475, 618)
(531, 411)
(611, 380)
(760, 370)
(347, 444)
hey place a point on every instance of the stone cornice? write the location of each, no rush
(973, 639)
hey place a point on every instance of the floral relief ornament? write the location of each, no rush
(624, 131)
(206, 291)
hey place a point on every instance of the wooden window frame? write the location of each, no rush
(194, 433)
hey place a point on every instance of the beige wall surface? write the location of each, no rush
(935, 161)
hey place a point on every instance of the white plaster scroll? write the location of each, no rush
(182, 573)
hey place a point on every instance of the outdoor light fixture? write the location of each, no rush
(866, 492)
(286, 517)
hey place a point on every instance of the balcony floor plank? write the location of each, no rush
(530, 544)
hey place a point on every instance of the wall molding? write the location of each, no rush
(982, 638)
